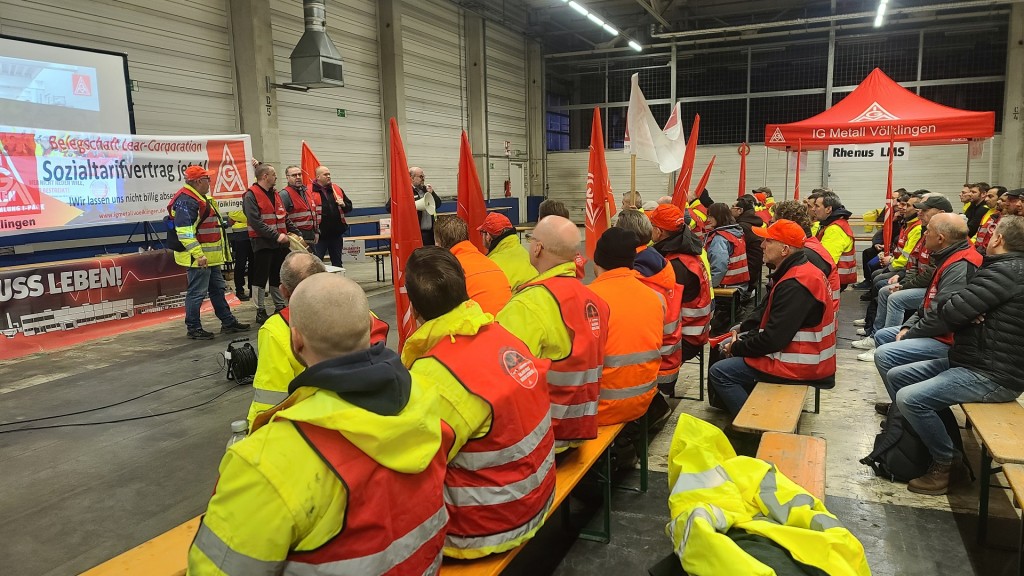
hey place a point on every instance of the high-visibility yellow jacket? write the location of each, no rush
(215, 251)
(548, 338)
(714, 491)
(513, 260)
(239, 222)
(913, 237)
(835, 240)
(275, 368)
(275, 495)
(467, 414)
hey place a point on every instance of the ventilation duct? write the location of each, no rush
(316, 63)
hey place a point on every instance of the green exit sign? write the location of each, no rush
(341, 112)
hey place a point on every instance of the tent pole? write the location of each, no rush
(785, 189)
(764, 179)
(990, 154)
(967, 177)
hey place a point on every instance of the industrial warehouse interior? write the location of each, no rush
(834, 190)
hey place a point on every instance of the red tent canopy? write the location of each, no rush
(875, 111)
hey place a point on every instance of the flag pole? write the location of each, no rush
(632, 180)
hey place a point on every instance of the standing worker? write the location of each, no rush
(331, 206)
(241, 250)
(301, 207)
(268, 233)
(197, 225)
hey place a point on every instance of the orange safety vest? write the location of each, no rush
(394, 522)
(664, 284)
(486, 284)
(633, 353)
(970, 255)
(815, 244)
(574, 382)
(208, 227)
(737, 272)
(501, 485)
(272, 214)
(985, 230)
(695, 315)
(302, 214)
(847, 264)
(811, 355)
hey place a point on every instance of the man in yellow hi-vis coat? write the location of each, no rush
(715, 491)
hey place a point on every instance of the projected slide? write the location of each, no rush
(49, 83)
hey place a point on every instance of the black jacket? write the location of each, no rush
(975, 212)
(992, 347)
(332, 222)
(792, 308)
(926, 322)
(682, 242)
(749, 220)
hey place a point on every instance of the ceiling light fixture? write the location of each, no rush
(582, 10)
(880, 17)
(635, 46)
(578, 7)
(610, 29)
(593, 18)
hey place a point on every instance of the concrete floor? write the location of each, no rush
(74, 496)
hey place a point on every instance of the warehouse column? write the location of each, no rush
(253, 54)
(1011, 165)
(392, 78)
(536, 120)
(476, 89)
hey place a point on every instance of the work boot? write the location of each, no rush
(200, 334)
(935, 481)
(234, 328)
(261, 316)
(240, 293)
(882, 408)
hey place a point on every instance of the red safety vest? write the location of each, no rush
(737, 273)
(581, 262)
(698, 216)
(695, 315)
(905, 232)
(969, 254)
(378, 327)
(500, 486)
(919, 257)
(847, 264)
(811, 355)
(394, 523)
(272, 214)
(833, 275)
(303, 215)
(339, 199)
(208, 224)
(763, 213)
(574, 382)
(985, 230)
(664, 284)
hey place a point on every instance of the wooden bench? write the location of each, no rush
(379, 257)
(1015, 476)
(729, 293)
(1002, 441)
(772, 408)
(799, 458)
(167, 554)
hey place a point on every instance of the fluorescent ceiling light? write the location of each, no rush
(610, 29)
(635, 46)
(879, 18)
(578, 8)
(593, 18)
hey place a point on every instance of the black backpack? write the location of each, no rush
(899, 454)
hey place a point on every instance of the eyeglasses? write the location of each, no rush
(296, 175)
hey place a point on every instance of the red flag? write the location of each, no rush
(705, 177)
(686, 171)
(600, 203)
(405, 232)
(471, 207)
(743, 150)
(309, 165)
(796, 186)
(887, 228)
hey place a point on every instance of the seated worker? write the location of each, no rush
(487, 284)
(925, 336)
(505, 249)
(347, 474)
(277, 366)
(551, 207)
(794, 340)
(727, 254)
(493, 393)
(748, 219)
(698, 213)
(674, 240)
(983, 364)
(994, 202)
(816, 253)
(656, 273)
(836, 236)
(894, 264)
(636, 320)
(562, 320)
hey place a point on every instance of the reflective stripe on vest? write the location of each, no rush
(815, 246)
(497, 540)
(494, 495)
(268, 396)
(672, 301)
(736, 273)
(208, 231)
(302, 214)
(986, 229)
(378, 536)
(271, 212)
(905, 233)
(574, 381)
(630, 392)
(695, 315)
(970, 255)
(847, 265)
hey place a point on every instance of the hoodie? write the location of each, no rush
(683, 242)
(720, 250)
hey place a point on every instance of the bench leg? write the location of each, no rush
(604, 536)
(700, 355)
(1020, 550)
(817, 400)
(986, 476)
(643, 455)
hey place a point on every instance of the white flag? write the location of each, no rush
(649, 141)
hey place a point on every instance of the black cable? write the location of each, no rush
(128, 419)
(117, 403)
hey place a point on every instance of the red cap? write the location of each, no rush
(785, 231)
(761, 197)
(197, 172)
(667, 217)
(495, 223)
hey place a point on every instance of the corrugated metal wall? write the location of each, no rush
(506, 101)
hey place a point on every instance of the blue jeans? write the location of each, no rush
(733, 381)
(880, 315)
(891, 354)
(200, 282)
(923, 388)
(330, 246)
(897, 304)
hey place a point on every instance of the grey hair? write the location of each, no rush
(298, 266)
(636, 222)
(1011, 228)
(955, 229)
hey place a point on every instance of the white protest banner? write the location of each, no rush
(868, 152)
(354, 249)
(52, 179)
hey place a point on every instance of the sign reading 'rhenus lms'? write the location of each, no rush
(868, 152)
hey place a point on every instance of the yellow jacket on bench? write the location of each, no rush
(713, 491)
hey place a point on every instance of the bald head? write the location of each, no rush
(556, 240)
(297, 267)
(330, 317)
(945, 230)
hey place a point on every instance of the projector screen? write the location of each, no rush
(63, 88)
